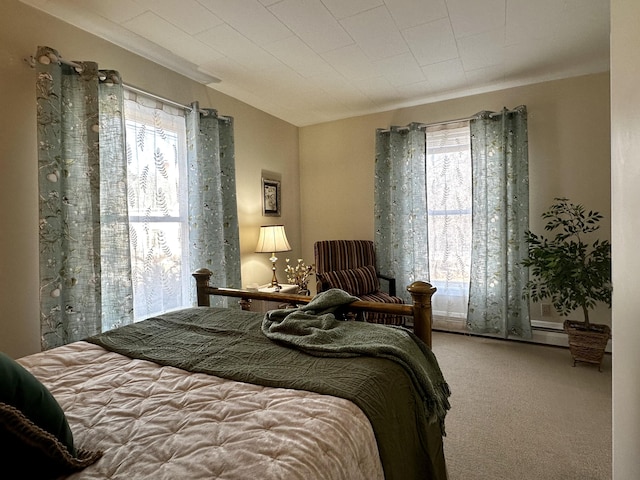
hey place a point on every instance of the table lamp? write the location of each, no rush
(273, 239)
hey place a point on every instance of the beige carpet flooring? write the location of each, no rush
(521, 411)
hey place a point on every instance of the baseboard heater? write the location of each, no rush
(542, 332)
(552, 333)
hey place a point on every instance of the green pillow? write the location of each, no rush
(25, 392)
(34, 432)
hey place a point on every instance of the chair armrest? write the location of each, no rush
(391, 283)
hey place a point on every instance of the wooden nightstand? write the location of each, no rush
(263, 305)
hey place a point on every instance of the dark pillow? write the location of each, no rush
(34, 432)
(356, 281)
(25, 392)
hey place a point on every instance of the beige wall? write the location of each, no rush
(22, 29)
(332, 182)
(569, 156)
(625, 204)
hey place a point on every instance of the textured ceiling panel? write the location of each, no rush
(312, 61)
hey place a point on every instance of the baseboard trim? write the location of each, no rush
(542, 332)
(552, 333)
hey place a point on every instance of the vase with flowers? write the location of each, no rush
(298, 274)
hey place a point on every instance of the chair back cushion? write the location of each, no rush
(333, 255)
(356, 281)
(351, 266)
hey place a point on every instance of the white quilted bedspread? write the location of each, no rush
(165, 423)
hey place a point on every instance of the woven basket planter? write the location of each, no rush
(587, 345)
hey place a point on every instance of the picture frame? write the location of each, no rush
(271, 197)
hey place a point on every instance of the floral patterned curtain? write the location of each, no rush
(499, 151)
(401, 233)
(85, 259)
(85, 283)
(213, 219)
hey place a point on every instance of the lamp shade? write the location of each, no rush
(272, 239)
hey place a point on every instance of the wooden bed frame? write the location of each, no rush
(419, 310)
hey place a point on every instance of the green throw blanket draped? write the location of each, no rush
(231, 344)
(315, 330)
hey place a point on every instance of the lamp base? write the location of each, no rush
(274, 279)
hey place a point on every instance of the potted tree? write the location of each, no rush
(572, 274)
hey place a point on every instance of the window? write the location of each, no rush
(449, 216)
(157, 183)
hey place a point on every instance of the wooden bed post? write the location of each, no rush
(202, 276)
(421, 293)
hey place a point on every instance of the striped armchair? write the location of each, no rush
(351, 266)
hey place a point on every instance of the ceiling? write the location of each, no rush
(312, 61)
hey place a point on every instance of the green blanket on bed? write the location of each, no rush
(230, 344)
(314, 329)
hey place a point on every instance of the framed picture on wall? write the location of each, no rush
(270, 197)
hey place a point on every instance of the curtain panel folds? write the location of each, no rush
(499, 152)
(500, 216)
(401, 234)
(85, 259)
(85, 283)
(214, 239)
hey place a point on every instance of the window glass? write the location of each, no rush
(449, 216)
(156, 169)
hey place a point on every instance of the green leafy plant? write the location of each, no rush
(564, 268)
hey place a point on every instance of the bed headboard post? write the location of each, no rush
(421, 293)
(202, 276)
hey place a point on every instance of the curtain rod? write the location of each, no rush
(156, 97)
(425, 125)
(166, 100)
(447, 122)
(32, 63)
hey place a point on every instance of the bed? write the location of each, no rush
(223, 393)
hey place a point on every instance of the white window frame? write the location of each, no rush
(451, 301)
(181, 218)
